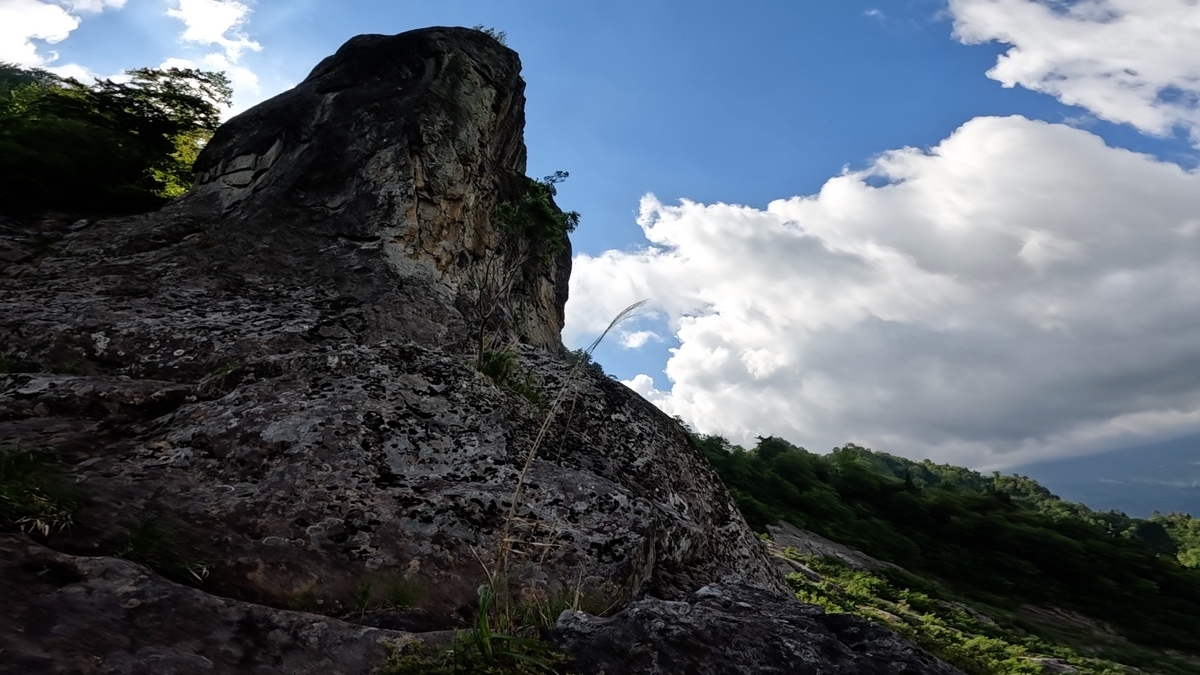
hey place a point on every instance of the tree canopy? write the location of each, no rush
(112, 147)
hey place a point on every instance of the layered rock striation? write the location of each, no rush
(274, 380)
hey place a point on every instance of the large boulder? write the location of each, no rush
(736, 628)
(279, 369)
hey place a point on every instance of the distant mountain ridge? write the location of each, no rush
(1163, 477)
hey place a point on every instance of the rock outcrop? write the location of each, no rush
(278, 364)
(274, 380)
(66, 615)
(736, 628)
(784, 535)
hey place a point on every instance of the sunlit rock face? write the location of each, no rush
(400, 146)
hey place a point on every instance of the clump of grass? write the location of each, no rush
(218, 379)
(305, 600)
(387, 591)
(35, 495)
(74, 367)
(498, 365)
(402, 593)
(157, 542)
(487, 648)
(540, 608)
(502, 367)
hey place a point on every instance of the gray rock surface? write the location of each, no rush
(65, 615)
(784, 535)
(736, 628)
(279, 366)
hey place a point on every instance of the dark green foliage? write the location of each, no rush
(497, 35)
(401, 593)
(503, 368)
(998, 539)
(574, 356)
(535, 220)
(978, 639)
(108, 148)
(1184, 532)
(158, 543)
(384, 591)
(35, 494)
(498, 365)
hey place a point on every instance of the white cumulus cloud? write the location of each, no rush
(23, 21)
(1019, 291)
(216, 22)
(638, 339)
(220, 23)
(1130, 61)
(93, 6)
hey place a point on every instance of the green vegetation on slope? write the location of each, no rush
(107, 148)
(979, 639)
(1184, 532)
(998, 540)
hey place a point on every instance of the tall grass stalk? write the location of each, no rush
(555, 405)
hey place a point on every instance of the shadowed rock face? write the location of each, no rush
(735, 628)
(65, 615)
(276, 368)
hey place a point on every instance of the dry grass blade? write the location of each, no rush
(572, 378)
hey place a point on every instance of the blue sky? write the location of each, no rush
(911, 224)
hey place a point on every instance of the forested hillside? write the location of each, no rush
(1000, 541)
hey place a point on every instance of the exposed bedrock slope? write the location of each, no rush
(277, 364)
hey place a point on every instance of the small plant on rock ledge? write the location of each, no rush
(157, 542)
(488, 648)
(35, 496)
(532, 230)
(497, 35)
(534, 218)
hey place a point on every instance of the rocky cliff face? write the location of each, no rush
(268, 389)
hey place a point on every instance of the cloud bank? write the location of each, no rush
(1019, 291)
(24, 21)
(1131, 61)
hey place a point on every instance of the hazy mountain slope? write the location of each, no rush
(1161, 477)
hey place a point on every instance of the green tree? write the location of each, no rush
(106, 148)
